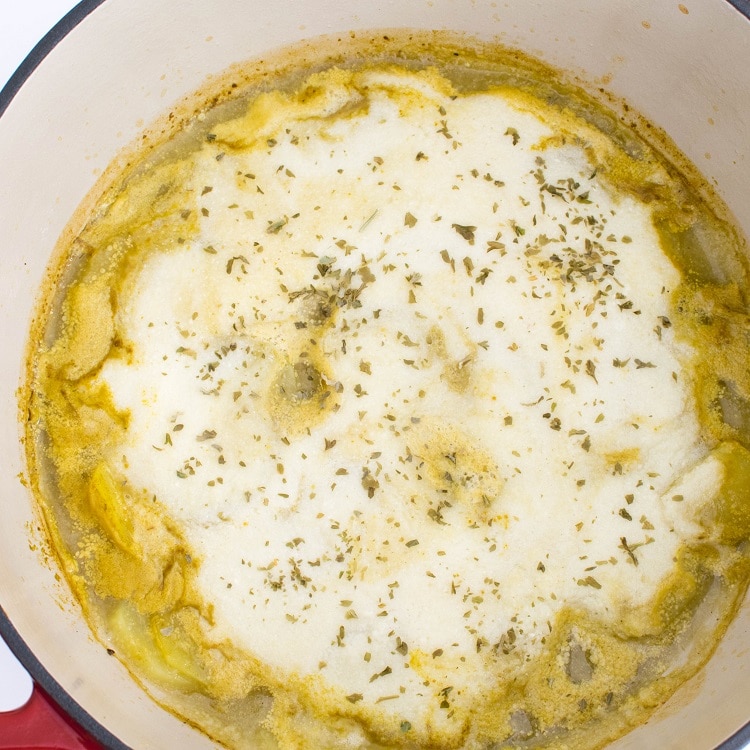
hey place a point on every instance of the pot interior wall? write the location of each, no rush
(682, 66)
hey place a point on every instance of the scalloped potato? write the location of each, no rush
(399, 407)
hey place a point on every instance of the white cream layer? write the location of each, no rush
(508, 353)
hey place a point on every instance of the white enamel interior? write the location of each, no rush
(129, 60)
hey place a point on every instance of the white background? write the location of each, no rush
(22, 24)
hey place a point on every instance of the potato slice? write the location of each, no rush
(110, 506)
(89, 330)
(730, 512)
(176, 648)
(160, 651)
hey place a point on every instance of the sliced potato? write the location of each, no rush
(89, 330)
(157, 647)
(110, 506)
(729, 514)
(176, 647)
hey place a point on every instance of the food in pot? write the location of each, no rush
(401, 402)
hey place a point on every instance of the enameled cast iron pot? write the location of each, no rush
(112, 66)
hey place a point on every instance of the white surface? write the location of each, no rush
(15, 683)
(23, 25)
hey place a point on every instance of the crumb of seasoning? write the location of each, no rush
(467, 232)
(589, 581)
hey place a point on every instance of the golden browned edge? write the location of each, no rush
(440, 46)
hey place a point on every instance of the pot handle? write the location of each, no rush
(41, 725)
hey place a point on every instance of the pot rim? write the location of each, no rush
(54, 36)
(14, 640)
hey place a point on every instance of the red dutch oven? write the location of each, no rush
(112, 67)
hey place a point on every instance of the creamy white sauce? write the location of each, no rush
(557, 401)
